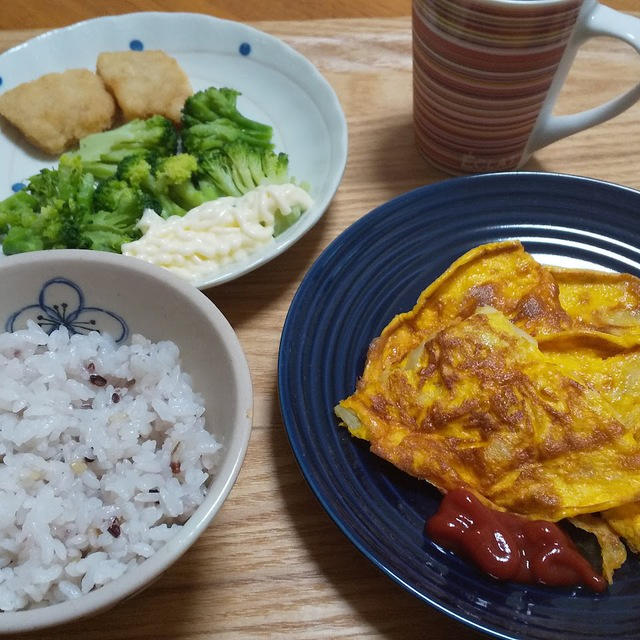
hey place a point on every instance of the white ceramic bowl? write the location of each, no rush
(124, 296)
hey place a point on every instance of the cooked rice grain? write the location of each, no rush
(76, 467)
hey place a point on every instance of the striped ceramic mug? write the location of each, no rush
(486, 74)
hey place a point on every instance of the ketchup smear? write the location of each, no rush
(509, 547)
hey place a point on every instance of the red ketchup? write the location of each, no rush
(509, 547)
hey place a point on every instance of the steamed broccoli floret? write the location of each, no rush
(135, 169)
(259, 166)
(212, 104)
(19, 240)
(108, 231)
(217, 167)
(62, 183)
(19, 214)
(238, 168)
(176, 169)
(190, 194)
(166, 181)
(210, 120)
(44, 185)
(117, 209)
(65, 197)
(121, 201)
(180, 174)
(215, 135)
(101, 152)
(48, 228)
(66, 208)
(49, 212)
(283, 222)
(15, 207)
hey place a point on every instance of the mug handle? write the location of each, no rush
(595, 20)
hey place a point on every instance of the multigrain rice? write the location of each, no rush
(103, 456)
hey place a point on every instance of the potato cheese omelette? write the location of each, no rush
(520, 383)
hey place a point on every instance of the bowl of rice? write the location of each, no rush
(125, 414)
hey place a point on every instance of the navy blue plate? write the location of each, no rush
(376, 269)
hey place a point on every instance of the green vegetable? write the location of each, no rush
(166, 181)
(239, 167)
(96, 195)
(283, 222)
(211, 120)
(21, 239)
(101, 152)
(215, 135)
(117, 209)
(212, 104)
(15, 207)
(63, 208)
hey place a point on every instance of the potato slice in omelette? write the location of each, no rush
(478, 404)
(606, 362)
(611, 364)
(601, 301)
(607, 303)
(501, 275)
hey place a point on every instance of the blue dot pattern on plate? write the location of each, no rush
(244, 49)
(17, 186)
(136, 45)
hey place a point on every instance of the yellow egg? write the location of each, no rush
(519, 382)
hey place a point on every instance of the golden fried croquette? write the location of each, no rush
(145, 83)
(56, 110)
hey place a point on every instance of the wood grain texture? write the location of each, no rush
(44, 13)
(272, 564)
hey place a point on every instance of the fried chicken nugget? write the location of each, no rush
(145, 83)
(54, 111)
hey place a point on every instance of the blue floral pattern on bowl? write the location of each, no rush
(61, 303)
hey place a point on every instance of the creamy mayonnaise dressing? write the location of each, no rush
(216, 232)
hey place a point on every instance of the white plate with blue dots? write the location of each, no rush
(279, 86)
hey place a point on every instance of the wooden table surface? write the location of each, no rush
(273, 564)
